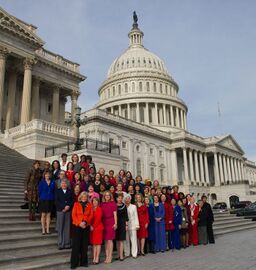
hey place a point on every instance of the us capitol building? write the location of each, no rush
(139, 111)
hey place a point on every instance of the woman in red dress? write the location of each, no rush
(142, 232)
(96, 236)
(168, 219)
(194, 210)
(109, 218)
(70, 172)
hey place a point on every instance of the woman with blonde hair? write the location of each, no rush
(82, 215)
(76, 163)
(142, 232)
(109, 214)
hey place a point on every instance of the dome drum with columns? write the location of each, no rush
(139, 87)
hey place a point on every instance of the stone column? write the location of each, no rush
(26, 94)
(156, 114)
(232, 170)
(239, 170)
(191, 166)
(229, 169)
(12, 81)
(236, 169)
(182, 119)
(185, 120)
(177, 117)
(216, 170)
(225, 169)
(120, 110)
(3, 55)
(165, 116)
(74, 98)
(196, 167)
(172, 116)
(112, 109)
(137, 112)
(146, 120)
(202, 180)
(206, 169)
(242, 170)
(56, 104)
(174, 167)
(221, 169)
(129, 111)
(185, 162)
(35, 98)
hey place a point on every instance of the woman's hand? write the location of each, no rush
(91, 229)
(25, 191)
(137, 227)
(146, 226)
(126, 227)
(115, 226)
(82, 225)
(179, 226)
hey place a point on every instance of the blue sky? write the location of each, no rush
(207, 46)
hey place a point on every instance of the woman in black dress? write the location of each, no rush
(122, 226)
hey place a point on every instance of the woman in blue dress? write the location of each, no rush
(151, 226)
(159, 213)
(177, 220)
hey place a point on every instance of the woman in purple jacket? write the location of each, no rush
(46, 201)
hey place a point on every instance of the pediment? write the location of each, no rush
(229, 142)
(18, 28)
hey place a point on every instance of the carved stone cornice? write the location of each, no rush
(28, 63)
(3, 53)
(75, 94)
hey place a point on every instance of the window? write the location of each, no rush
(154, 87)
(138, 148)
(138, 166)
(114, 91)
(49, 109)
(108, 92)
(161, 153)
(119, 89)
(133, 87)
(111, 141)
(140, 86)
(152, 173)
(161, 88)
(124, 144)
(161, 175)
(125, 166)
(148, 88)
(126, 87)
(151, 151)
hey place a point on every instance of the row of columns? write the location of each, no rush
(163, 114)
(30, 101)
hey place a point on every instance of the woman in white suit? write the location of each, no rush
(131, 246)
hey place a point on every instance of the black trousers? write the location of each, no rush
(80, 239)
(210, 233)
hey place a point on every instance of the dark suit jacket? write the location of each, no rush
(62, 199)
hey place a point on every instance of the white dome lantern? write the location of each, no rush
(139, 87)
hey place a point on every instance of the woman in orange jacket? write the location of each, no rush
(82, 215)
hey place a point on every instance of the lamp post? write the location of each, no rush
(78, 123)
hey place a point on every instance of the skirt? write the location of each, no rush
(46, 206)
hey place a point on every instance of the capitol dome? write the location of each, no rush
(138, 87)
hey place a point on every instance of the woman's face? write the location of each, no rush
(75, 158)
(102, 171)
(70, 166)
(127, 200)
(156, 200)
(163, 199)
(119, 199)
(83, 159)
(97, 177)
(47, 176)
(84, 198)
(107, 197)
(138, 198)
(180, 203)
(184, 201)
(55, 165)
(146, 201)
(153, 192)
(132, 182)
(95, 203)
(102, 188)
(77, 176)
(119, 187)
(90, 189)
(82, 171)
(106, 180)
(173, 202)
(77, 190)
(130, 189)
(112, 189)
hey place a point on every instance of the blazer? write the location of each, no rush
(46, 192)
(133, 222)
(79, 216)
(62, 199)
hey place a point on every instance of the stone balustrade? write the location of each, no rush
(58, 59)
(42, 125)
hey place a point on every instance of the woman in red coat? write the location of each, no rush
(70, 172)
(96, 230)
(142, 232)
(168, 219)
(194, 210)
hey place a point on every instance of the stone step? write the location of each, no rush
(220, 232)
(9, 185)
(20, 230)
(21, 256)
(20, 223)
(11, 200)
(228, 218)
(62, 260)
(231, 225)
(11, 193)
(234, 221)
(14, 205)
(12, 196)
(26, 236)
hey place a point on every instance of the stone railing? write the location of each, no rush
(58, 59)
(42, 125)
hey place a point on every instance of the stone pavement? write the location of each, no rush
(235, 251)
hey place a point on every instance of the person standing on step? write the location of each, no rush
(55, 169)
(31, 188)
(64, 162)
(46, 200)
(202, 224)
(63, 203)
(82, 215)
(210, 219)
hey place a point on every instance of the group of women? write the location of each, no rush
(135, 216)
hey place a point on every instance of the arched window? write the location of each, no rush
(154, 87)
(161, 88)
(140, 86)
(133, 87)
(119, 89)
(126, 87)
(161, 175)
(138, 166)
(152, 173)
(114, 91)
(148, 87)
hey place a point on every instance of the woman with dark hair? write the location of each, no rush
(159, 213)
(130, 190)
(55, 169)
(84, 163)
(97, 183)
(102, 190)
(97, 228)
(46, 200)
(142, 232)
(77, 181)
(184, 223)
(186, 205)
(122, 226)
(177, 220)
(156, 184)
(92, 194)
(121, 175)
(128, 176)
(106, 181)
(137, 189)
(76, 163)
(82, 215)
(31, 188)
(181, 195)
(138, 180)
(90, 163)
(202, 224)
(77, 191)
(70, 172)
(194, 209)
